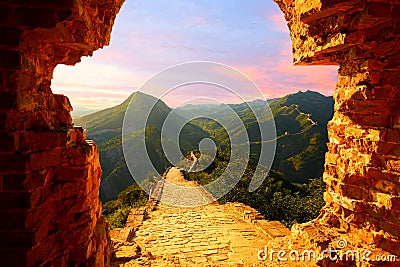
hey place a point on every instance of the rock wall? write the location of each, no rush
(50, 214)
(362, 166)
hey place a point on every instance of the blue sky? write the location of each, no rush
(150, 36)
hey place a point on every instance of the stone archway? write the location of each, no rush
(50, 212)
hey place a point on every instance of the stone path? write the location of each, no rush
(177, 191)
(209, 235)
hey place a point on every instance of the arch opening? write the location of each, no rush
(124, 36)
(44, 159)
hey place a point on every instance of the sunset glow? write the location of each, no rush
(148, 37)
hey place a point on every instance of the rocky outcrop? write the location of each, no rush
(49, 173)
(361, 167)
(65, 212)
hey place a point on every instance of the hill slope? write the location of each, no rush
(301, 129)
(304, 117)
(105, 127)
(301, 122)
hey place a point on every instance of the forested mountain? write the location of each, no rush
(301, 135)
(301, 129)
(105, 127)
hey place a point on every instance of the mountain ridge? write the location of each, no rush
(105, 128)
(300, 121)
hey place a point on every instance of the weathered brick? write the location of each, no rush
(391, 135)
(68, 190)
(395, 203)
(40, 253)
(76, 136)
(396, 12)
(21, 81)
(379, 174)
(390, 245)
(42, 119)
(14, 200)
(61, 102)
(63, 119)
(71, 173)
(16, 238)
(396, 28)
(354, 192)
(44, 159)
(357, 180)
(12, 219)
(391, 77)
(13, 182)
(377, 9)
(37, 196)
(3, 79)
(394, 216)
(389, 149)
(392, 164)
(7, 142)
(366, 106)
(10, 36)
(41, 140)
(10, 60)
(6, 15)
(372, 120)
(37, 129)
(37, 179)
(3, 119)
(13, 256)
(44, 3)
(36, 17)
(8, 100)
(12, 162)
(79, 155)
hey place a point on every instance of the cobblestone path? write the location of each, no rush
(208, 235)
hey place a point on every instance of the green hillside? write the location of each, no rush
(304, 117)
(301, 134)
(301, 129)
(105, 128)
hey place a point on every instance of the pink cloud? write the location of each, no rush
(280, 77)
(278, 20)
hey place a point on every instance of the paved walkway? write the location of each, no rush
(209, 235)
(178, 192)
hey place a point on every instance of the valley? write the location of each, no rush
(301, 135)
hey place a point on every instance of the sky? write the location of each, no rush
(150, 36)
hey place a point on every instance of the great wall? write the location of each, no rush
(164, 235)
(50, 175)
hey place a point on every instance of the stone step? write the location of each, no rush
(16, 238)
(273, 229)
(14, 200)
(13, 219)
